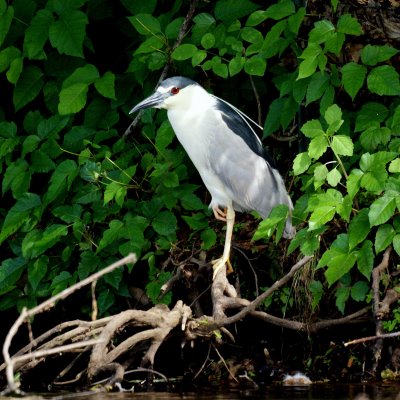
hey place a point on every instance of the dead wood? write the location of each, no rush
(159, 318)
(25, 315)
(112, 350)
(376, 279)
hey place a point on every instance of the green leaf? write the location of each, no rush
(198, 57)
(251, 35)
(145, 24)
(208, 238)
(114, 278)
(301, 163)
(172, 29)
(11, 270)
(353, 76)
(312, 129)
(342, 295)
(334, 43)
(396, 243)
(370, 114)
(381, 210)
(371, 138)
(334, 177)
(165, 136)
(72, 98)
(320, 173)
(256, 18)
(359, 290)
(60, 282)
(255, 66)
(67, 34)
(15, 70)
(384, 80)
(394, 166)
(295, 21)
(228, 10)
(37, 34)
(384, 237)
(36, 242)
(280, 10)
(353, 182)
(321, 32)
(115, 190)
(220, 69)
(30, 144)
(6, 19)
(106, 85)
(333, 114)
(317, 147)
(236, 65)
(18, 214)
(339, 265)
(317, 87)
(171, 180)
(204, 20)
(372, 55)
(321, 216)
(342, 145)
(165, 223)
(275, 222)
(365, 259)
(150, 45)
(359, 228)
(7, 56)
(349, 25)
(317, 290)
(272, 122)
(208, 40)
(310, 61)
(28, 86)
(68, 213)
(18, 178)
(111, 235)
(184, 52)
(37, 271)
(61, 180)
(86, 74)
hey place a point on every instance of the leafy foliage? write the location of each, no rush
(76, 195)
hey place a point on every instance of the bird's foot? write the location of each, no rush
(221, 263)
(219, 214)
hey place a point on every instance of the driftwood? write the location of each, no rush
(152, 327)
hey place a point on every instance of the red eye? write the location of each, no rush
(175, 90)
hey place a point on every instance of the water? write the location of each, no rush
(313, 392)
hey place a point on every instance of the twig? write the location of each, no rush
(257, 301)
(178, 41)
(251, 267)
(223, 361)
(204, 363)
(369, 338)
(257, 97)
(305, 327)
(26, 314)
(55, 350)
(376, 278)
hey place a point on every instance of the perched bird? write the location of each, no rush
(231, 160)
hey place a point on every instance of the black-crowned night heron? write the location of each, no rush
(226, 151)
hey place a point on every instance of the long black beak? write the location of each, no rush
(155, 100)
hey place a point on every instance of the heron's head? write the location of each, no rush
(171, 93)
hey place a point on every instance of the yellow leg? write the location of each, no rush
(230, 221)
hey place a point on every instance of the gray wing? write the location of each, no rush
(242, 164)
